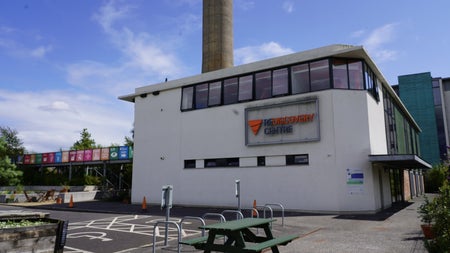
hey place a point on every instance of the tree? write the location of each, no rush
(14, 145)
(85, 142)
(9, 175)
(129, 141)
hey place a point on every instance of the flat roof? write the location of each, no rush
(409, 161)
(336, 50)
(308, 55)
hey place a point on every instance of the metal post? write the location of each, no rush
(166, 202)
(120, 177)
(238, 193)
(166, 233)
(105, 186)
(70, 172)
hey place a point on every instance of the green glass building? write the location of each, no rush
(418, 93)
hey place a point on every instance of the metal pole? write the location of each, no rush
(70, 172)
(238, 195)
(166, 233)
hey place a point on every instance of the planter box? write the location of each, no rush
(427, 231)
(45, 238)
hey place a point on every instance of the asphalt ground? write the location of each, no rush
(396, 229)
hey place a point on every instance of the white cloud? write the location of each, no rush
(376, 41)
(58, 106)
(255, 53)
(40, 52)
(18, 44)
(50, 120)
(144, 58)
(288, 6)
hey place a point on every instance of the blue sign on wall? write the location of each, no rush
(123, 152)
(58, 157)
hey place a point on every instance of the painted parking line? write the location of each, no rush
(90, 235)
(75, 250)
(105, 230)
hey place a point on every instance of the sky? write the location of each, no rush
(64, 63)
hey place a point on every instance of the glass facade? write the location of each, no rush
(418, 95)
(330, 73)
(401, 136)
(439, 119)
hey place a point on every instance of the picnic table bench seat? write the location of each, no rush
(195, 241)
(199, 242)
(282, 240)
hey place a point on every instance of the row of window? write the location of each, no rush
(401, 137)
(297, 159)
(324, 74)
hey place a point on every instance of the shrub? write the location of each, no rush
(441, 218)
(435, 178)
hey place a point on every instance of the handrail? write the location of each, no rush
(167, 223)
(237, 212)
(264, 211)
(192, 218)
(222, 218)
(282, 211)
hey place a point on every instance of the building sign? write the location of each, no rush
(355, 181)
(283, 123)
(75, 156)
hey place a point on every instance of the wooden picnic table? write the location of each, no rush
(236, 236)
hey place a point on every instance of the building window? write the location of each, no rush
(320, 75)
(230, 91)
(355, 72)
(222, 162)
(189, 164)
(302, 159)
(261, 160)
(337, 73)
(300, 78)
(263, 88)
(201, 96)
(187, 99)
(246, 88)
(215, 94)
(340, 74)
(280, 84)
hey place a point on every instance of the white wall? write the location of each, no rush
(165, 137)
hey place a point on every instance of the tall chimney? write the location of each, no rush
(217, 35)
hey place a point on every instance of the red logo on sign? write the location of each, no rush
(255, 125)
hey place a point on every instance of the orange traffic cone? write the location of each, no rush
(71, 201)
(144, 205)
(254, 213)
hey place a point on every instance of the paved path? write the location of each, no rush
(394, 230)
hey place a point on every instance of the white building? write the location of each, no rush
(313, 131)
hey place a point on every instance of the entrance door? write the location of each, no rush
(396, 180)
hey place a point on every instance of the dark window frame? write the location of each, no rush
(192, 98)
(190, 164)
(297, 159)
(285, 86)
(368, 81)
(220, 102)
(252, 85)
(264, 91)
(225, 93)
(323, 81)
(221, 162)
